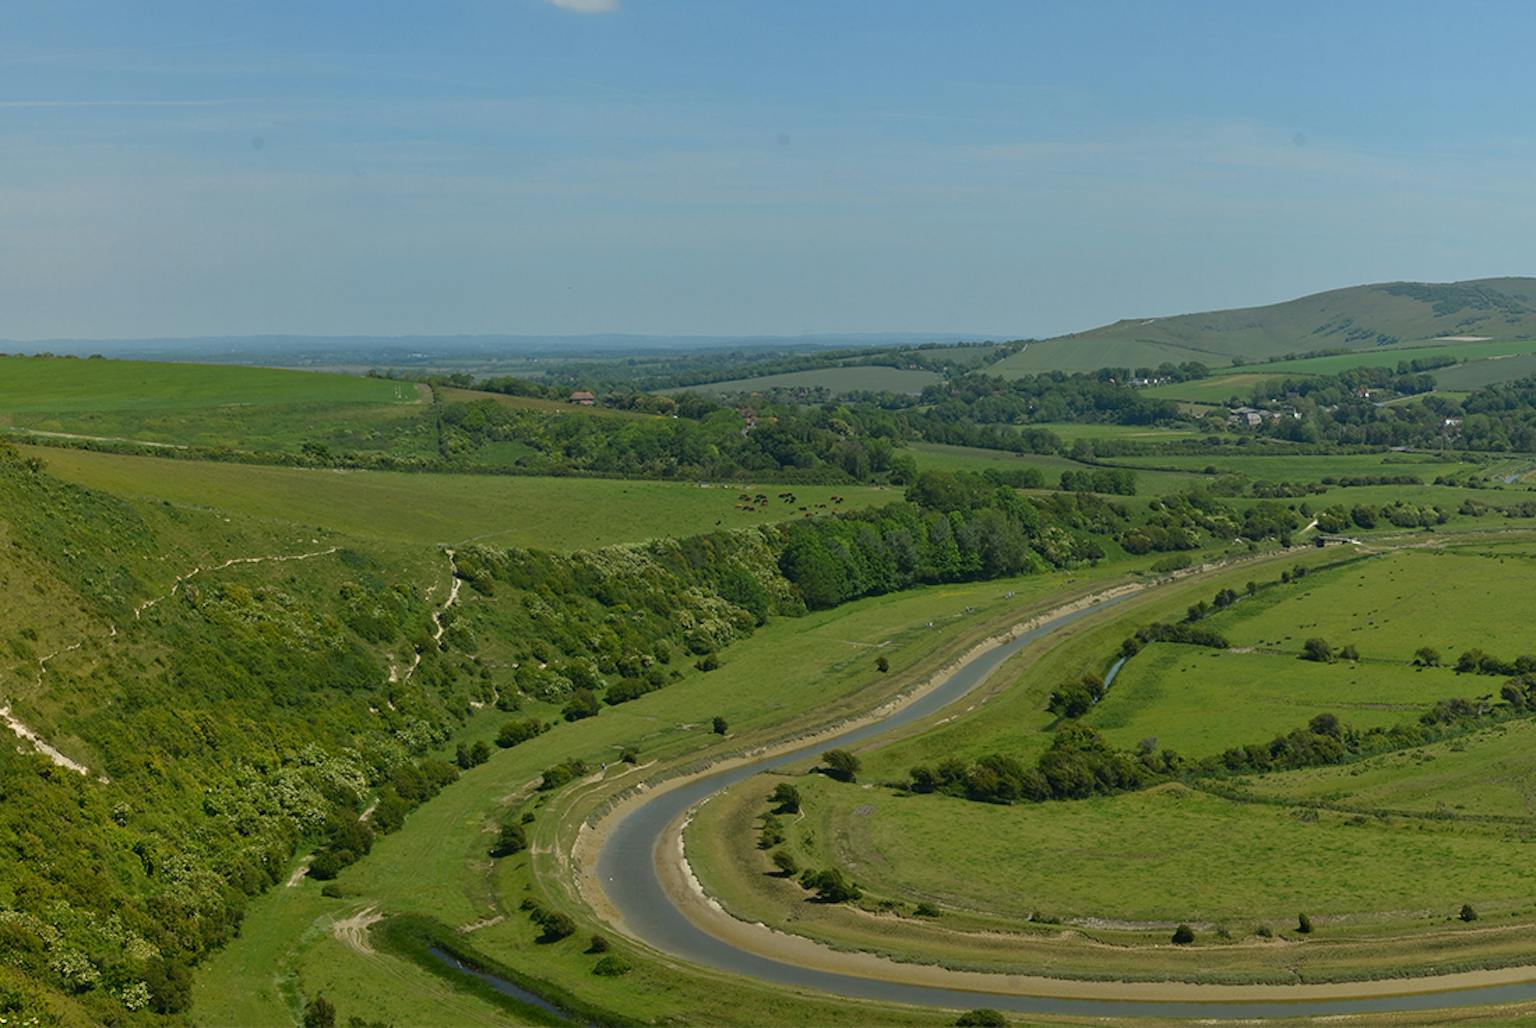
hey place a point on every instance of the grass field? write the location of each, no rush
(498, 510)
(1199, 701)
(1087, 353)
(1072, 431)
(1389, 356)
(969, 458)
(52, 384)
(1096, 858)
(1477, 374)
(836, 380)
(1215, 389)
(209, 405)
(1306, 467)
(1486, 773)
(1390, 606)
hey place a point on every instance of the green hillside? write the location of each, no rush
(1356, 318)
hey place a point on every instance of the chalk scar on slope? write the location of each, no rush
(39, 745)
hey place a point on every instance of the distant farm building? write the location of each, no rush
(584, 398)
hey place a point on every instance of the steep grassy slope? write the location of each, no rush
(1357, 318)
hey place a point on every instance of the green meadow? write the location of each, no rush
(1488, 773)
(1199, 702)
(498, 510)
(1390, 606)
(943, 457)
(1166, 855)
(1216, 389)
(1072, 431)
(57, 384)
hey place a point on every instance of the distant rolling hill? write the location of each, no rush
(1358, 318)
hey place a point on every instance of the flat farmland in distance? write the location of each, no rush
(836, 380)
(213, 405)
(499, 510)
(56, 384)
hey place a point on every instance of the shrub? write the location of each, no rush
(563, 772)
(708, 662)
(785, 798)
(719, 724)
(511, 839)
(1467, 913)
(319, 1013)
(583, 704)
(830, 886)
(599, 944)
(1318, 650)
(925, 910)
(982, 1017)
(611, 966)
(556, 926)
(882, 664)
(514, 732)
(1183, 935)
(840, 764)
(1426, 656)
(1303, 924)
(786, 863)
(326, 865)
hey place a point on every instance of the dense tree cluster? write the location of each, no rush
(704, 440)
(955, 527)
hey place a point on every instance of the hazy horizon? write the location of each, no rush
(662, 168)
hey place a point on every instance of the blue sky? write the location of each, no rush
(715, 166)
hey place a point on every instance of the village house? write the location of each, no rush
(583, 398)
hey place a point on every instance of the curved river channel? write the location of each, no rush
(627, 870)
